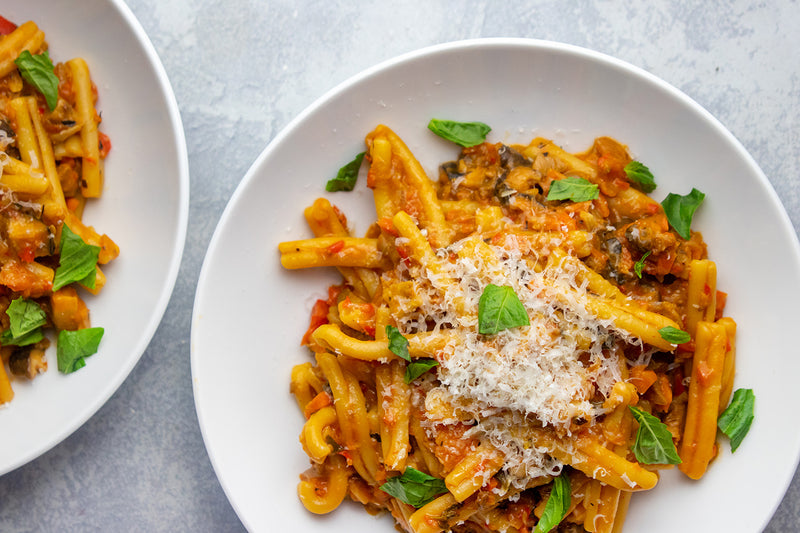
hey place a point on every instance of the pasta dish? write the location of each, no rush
(518, 346)
(51, 164)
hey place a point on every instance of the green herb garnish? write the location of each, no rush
(639, 173)
(398, 344)
(25, 315)
(674, 335)
(639, 265)
(735, 420)
(499, 308)
(417, 368)
(414, 487)
(653, 444)
(32, 337)
(75, 346)
(557, 504)
(78, 261)
(26, 319)
(680, 210)
(345, 179)
(38, 71)
(573, 188)
(464, 134)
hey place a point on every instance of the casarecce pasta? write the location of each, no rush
(518, 346)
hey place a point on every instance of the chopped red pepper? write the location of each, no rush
(6, 26)
(722, 299)
(387, 225)
(323, 399)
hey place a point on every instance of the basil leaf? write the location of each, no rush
(398, 344)
(653, 444)
(31, 337)
(735, 420)
(499, 308)
(680, 210)
(26, 319)
(639, 173)
(414, 487)
(557, 504)
(573, 188)
(345, 179)
(25, 316)
(419, 367)
(38, 71)
(78, 261)
(74, 346)
(674, 335)
(637, 268)
(464, 134)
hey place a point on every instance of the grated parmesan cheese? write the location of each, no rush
(544, 374)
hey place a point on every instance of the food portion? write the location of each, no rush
(518, 346)
(51, 164)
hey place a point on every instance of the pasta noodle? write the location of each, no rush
(51, 156)
(423, 378)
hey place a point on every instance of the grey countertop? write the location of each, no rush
(241, 70)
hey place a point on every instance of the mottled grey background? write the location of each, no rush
(241, 70)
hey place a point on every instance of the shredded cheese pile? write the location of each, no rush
(545, 374)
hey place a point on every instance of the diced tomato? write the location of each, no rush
(333, 293)
(27, 254)
(6, 26)
(653, 208)
(105, 144)
(687, 346)
(319, 316)
(72, 203)
(703, 372)
(621, 184)
(335, 248)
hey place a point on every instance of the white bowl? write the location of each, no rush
(250, 314)
(144, 208)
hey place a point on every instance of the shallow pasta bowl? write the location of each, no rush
(144, 208)
(250, 314)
